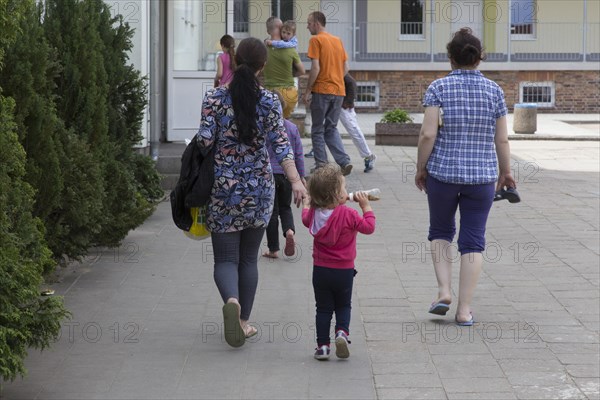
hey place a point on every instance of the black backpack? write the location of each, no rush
(195, 183)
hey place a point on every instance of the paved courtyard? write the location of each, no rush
(147, 316)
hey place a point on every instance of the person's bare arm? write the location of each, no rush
(219, 71)
(299, 69)
(503, 153)
(315, 68)
(429, 131)
(346, 67)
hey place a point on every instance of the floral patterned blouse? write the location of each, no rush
(243, 192)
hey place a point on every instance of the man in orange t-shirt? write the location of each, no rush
(325, 92)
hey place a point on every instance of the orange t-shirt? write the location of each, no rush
(329, 50)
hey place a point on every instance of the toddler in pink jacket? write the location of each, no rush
(334, 227)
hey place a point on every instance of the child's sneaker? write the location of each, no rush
(341, 344)
(322, 352)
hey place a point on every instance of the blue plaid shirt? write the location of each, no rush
(464, 151)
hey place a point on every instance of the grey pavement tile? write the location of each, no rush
(381, 352)
(407, 381)
(585, 358)
(403, 368)
(589, 386)
(542, 378)
(487, 396)
(476, 385)
(290, 382)
(411, 394)
(458, 351)
(18, 390)
(389, 291)
(592, 325)
(569, 338)
(94, 378)
(327, 387)
(584, 370)
(575, 348)
(550, 392)
(517, 366)
(516, 353)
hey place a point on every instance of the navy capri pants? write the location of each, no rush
(474, 203)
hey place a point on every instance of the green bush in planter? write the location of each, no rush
(396, 116)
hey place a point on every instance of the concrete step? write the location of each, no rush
(168, 164)
(168, 181)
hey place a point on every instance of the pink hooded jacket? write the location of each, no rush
(334, 244)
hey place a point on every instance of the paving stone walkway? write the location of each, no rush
(147, 316)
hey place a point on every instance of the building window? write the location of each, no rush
(367, 94)
(522, 19)
(411, 19)
(541, 93)
(240, 16)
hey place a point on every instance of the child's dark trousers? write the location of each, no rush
(333, 293)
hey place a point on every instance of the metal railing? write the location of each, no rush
(413, 42)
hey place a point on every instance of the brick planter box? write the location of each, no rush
(405, 134)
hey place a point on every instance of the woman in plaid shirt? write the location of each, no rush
(463, 155)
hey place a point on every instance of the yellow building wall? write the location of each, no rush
(558, 28)
(593, 26)
(383, 30)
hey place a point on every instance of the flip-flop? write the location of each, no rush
(290, 245)
(439, 308)
(509, 194)
(465, 323)
(233, 332)
(268, 254)
(253, 332)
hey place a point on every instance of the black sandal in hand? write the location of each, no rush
(509, 194)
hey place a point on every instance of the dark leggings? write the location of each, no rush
(236, 270)
(474, 202)
(281, 209)
(333, 292)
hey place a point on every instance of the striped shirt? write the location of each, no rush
(464, 151)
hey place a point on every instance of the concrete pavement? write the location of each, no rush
(147, 316)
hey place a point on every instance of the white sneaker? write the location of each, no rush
(341, 344)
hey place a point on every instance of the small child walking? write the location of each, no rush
(283, 194)
(334, 227)
(225, 61)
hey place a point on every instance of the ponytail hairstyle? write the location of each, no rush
(465, 49)
(228, 43)
(250, 57)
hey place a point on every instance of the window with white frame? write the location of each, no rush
(522, 19)
(367, 94)
(411, 19)
(240, 16)
(540, 93)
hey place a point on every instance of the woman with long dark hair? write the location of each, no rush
(463, 156)
(238, 122)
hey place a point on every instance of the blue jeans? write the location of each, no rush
(474, 202)
(333, 292)
(325, 113)
(236, 269)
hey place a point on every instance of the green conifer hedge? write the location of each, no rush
(71, 109)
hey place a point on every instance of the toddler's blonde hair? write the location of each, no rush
(290, 25)
(325, 186)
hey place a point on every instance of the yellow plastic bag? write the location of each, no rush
(198, 229)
